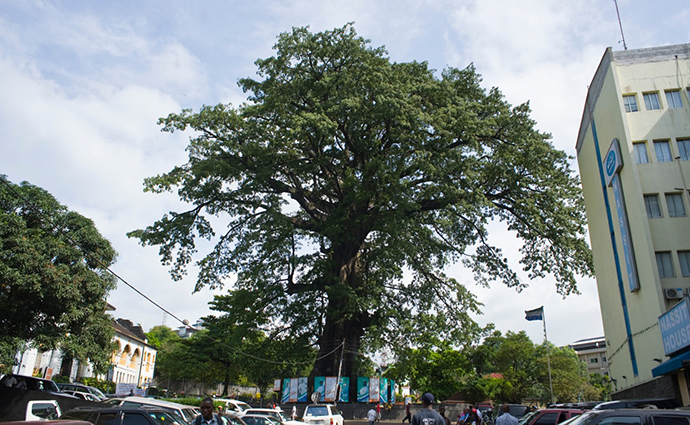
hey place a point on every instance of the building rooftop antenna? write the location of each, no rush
(625, 46)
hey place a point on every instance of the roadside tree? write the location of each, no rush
(346, 185)
(53, 278)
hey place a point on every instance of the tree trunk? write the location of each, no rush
(334, 334)
(345, 323)
(226, 382)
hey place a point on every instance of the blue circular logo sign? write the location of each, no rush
(611, 163)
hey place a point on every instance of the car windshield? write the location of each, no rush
(527, 417)
(316, 411)
(164, 418)
(96, 392)
(189, 414)
(582, 419)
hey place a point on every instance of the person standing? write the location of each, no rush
(427, 416)
(378, 412)
(294, 412)
(207, 416)
(371, 416)
(442, 412)
(407, 417)
(506, 418)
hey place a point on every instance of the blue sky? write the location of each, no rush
(82, 84)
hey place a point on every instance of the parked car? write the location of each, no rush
(30, 383)
(253, 419)
(659, 403)
(275, 413)
(83, 396)
(50, 422)
(552, 416)
(187, 413)
(631, 417)
(232, 405)
(123, 415)
(65, 387)
(322, 414)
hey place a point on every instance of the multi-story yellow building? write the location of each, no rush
(633, 150)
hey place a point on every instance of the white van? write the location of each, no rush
(232, 405)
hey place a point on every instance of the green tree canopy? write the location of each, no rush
(53, 278)
(339, 193)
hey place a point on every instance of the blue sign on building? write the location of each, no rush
(675, 327)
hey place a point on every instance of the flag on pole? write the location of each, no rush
(536, 314)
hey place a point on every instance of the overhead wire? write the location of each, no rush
(107, 268)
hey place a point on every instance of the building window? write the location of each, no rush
(684, 260)
(630, 103)
(640, 149)
(674, 202)
(594, 360)
(663, 151)
(684, 149)
(665, 264)
(603, 359)
(651, 204)
(673, 99)
(651, 101)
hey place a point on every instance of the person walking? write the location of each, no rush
(371, 415)
(407, 417)
(506, 418)
(427, 416)
(294, 412)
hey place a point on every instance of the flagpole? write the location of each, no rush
(548, 359)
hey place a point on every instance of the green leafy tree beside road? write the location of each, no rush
(344, 174)
(53, 278)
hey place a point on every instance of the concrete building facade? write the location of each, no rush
(592, 351)
(633, 151)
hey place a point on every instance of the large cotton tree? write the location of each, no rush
(337, 196)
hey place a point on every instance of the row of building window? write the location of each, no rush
(652, 102)
(596, 360)
(664, 262)
(662, 150)
(674, 205)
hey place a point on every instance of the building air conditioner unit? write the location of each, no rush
(673, 293)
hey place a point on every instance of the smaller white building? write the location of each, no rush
(134, 359)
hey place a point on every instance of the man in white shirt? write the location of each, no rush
(371, 416)
(506, 418)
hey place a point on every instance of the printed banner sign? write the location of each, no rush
(320, 387)
(362, 389)
(302, 392)
(286, 391)
(374, 390)
(276, 385)
(344, 389)
(330, 388)
(293, 390)
(384, 391)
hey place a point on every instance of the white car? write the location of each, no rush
(274, 413)
(232, 405)
(322, 414)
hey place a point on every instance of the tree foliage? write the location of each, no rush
(339, 193)
(53, 279)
